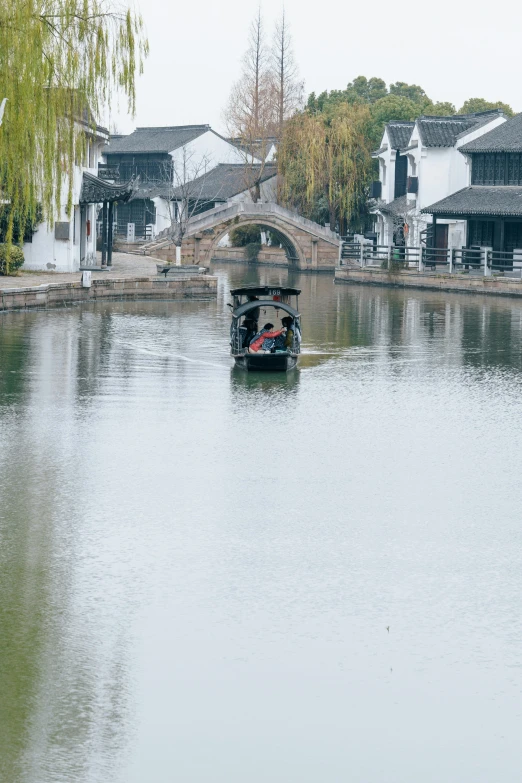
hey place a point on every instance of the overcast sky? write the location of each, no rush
(453, 49)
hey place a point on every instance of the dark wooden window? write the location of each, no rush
(514, 169)
(500, 161)
(141, 212)
(401, 175)
(477, 170)
(480, 233)
(150, 167)
(499, 168)
(512, 236)
(489, 169)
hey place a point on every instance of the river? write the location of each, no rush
(214, 577)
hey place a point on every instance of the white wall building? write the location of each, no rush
(419, 164)
(164, 158)
(72, 239)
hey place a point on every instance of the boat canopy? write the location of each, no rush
(245, 308)
(264, 290)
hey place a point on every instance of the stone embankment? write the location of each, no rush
(129, 280)
(56, 294)
(271, 256)
(471, 284)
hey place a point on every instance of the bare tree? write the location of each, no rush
(248, 106)
(248, 115)
(267, 93)
(287, 88)
(185, 189)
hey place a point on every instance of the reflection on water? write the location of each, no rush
(247, 385)
(315, 563)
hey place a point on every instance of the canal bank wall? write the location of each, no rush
(226, 258)
(471, 284)
(57, 294)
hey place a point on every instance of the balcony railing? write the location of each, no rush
(108, 172)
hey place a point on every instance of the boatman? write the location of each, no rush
(255, 312)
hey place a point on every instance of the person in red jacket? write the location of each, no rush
(258, 343)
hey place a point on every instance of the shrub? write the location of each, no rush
(252, 251)
(11, 259)
(21, 228)
(245, 235)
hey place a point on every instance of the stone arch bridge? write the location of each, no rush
(307, 245)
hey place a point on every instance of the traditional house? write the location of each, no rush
(262, 149)
(420, 162)
(228, 182)
(71, 241)
(164, 158)
(489, 207)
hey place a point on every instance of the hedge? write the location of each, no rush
(15, 256)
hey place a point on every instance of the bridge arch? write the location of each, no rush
(294, 252)
(308, 245)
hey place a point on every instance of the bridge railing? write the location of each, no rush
(233, 208)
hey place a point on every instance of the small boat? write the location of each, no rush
(248, 303)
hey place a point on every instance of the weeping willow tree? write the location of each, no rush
(325, 163)
(61, 63)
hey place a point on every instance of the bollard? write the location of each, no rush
(485, 255)
(86, 279)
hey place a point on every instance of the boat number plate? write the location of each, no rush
(274, 292)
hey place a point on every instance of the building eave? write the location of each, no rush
(499, 201)
(96, 191)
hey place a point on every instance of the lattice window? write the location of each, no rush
(514, 169)
(141, 212)
(512, 236)
(477, 171)
(499, 168)
(481, 233)
(489, 169)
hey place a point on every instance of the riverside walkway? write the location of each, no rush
(124, 265)
(130, 277)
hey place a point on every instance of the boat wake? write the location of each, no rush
(170, 355)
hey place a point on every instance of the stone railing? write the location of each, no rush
(233, 209)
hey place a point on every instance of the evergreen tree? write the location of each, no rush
(479, 104)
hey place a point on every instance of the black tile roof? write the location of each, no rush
(501, 200)
(155, 139)
(225, 181)
(399, 133)
(95, 190)
(398, 207)
(258, 148)
(151, 190)
(444, 131)
(505, 138)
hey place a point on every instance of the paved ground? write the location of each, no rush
(123, 265)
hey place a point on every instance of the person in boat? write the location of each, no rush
(285, 341)
(251, 328)
(264, 340)
(254, 314)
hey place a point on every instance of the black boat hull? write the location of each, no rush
(266, 362)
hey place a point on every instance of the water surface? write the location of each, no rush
(213, 576)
